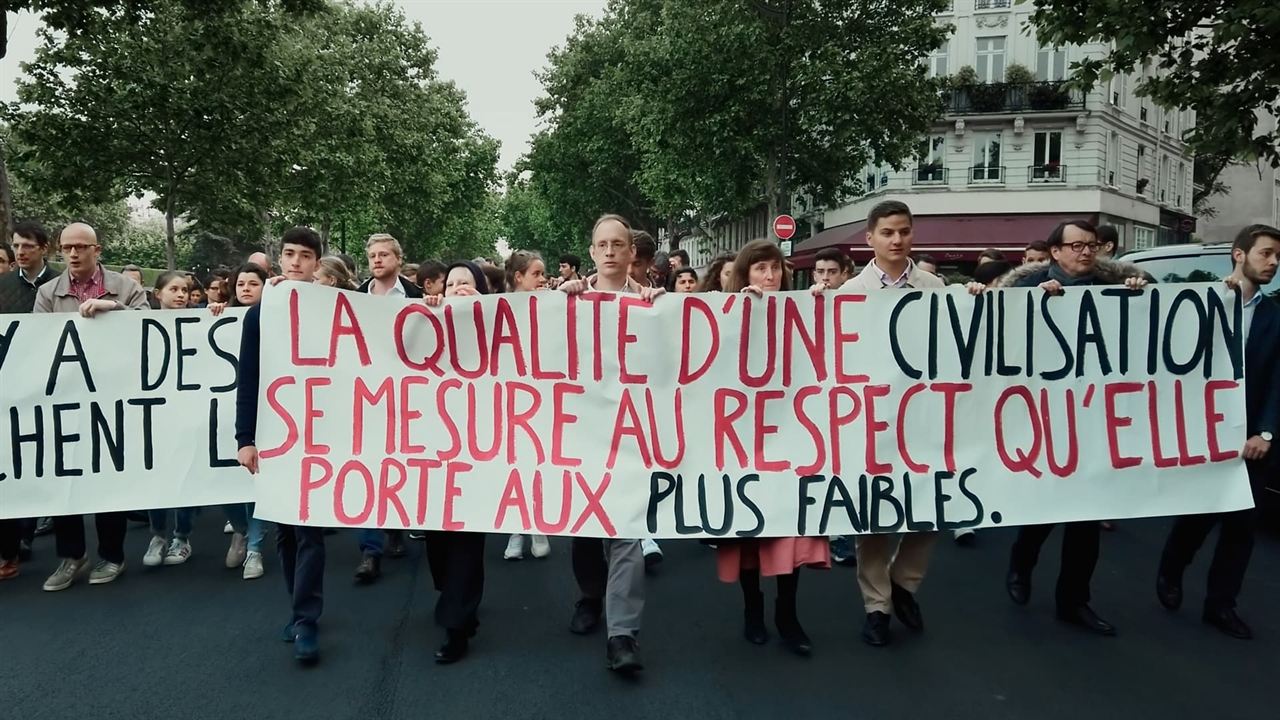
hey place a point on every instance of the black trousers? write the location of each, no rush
(302, 555)
(457, 569)
(1230, 557)
(1080, 542)
(10, 533)
(590, 567)
(68, 531)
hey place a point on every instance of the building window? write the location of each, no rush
(938, 60)
(990, 65)
(991, 4)
(1143, 237)
(986, 159)
(1163, 180)
(1051, 64)
(931, 158)
(1048, 157)
(1144, 179)
(1176, 196)
(1113, 159)
(1117, 89)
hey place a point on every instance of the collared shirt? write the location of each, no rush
(631, 287)
(34, 280)
(91, 289)
(900, 281)
(396, 290)
(1246, 322)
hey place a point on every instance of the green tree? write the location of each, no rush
(527, 222)
(183, 100)
(1218, 59)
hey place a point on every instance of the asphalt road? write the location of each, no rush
(196, 641)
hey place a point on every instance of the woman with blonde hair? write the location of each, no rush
(335, 273)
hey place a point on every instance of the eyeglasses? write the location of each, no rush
(1079, 247)
(78, 248)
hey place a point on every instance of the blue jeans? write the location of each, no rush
(302, 561)
(372, 540)
(240, 515)
(176, 519)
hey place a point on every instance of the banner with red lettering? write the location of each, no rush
(736, 416)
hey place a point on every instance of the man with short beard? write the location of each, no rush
(1256, 252)
(385, 260)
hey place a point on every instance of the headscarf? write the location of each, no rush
(481, 281)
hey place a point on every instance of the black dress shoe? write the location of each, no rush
(1229, 623)
(1019, 587)
(369, 569)
(454, 648)
(1084, 616)
(1169, 591)
(586, 616)
(624, 655)
(793, 636)
(876, 630)
(395, 544)
(906, 608)
(753, 628)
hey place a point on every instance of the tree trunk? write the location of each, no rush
(325, 228)
(170, 243)
(268, 241)
(6, 200)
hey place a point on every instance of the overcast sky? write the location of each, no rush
(490, 48)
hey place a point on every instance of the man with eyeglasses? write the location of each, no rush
(89, 289)
(18, 288)
(1074, 261)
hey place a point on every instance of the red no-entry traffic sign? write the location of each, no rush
(784, 227)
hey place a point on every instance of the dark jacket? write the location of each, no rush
(19, 296)
(1105, 272)
(411, 291)
(1262, 375)
(247, 387)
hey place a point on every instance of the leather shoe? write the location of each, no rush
(1169, 591)
(906, 608)
(1019, 587)
(1084, 616)
(369, 569)
(1229, 623)
(876, 630)
(288, 634)
(306, 649)
(395, 544)
(624, 655)
(453, 649)
(586, 617)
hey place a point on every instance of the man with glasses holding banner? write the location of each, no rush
(87, 288)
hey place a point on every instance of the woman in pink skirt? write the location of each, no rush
(758, 269)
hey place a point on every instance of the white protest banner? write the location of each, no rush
(128, 410)
(727, 415)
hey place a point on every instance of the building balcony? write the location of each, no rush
(929, 175)
(1009, 98)
(986, 175)
(992, 4)
(1050, 173)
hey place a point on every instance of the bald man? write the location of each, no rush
(260, 259)
(87, 288)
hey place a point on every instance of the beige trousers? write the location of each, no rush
(887, 560)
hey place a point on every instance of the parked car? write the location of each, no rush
(1206, 263)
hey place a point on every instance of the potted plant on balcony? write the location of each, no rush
(962, 83)
(1050, 95)
(1018, 78)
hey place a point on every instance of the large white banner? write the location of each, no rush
(727, 415)
(696, 416)
(129, 410)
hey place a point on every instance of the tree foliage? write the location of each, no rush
(1220, 60)
(666, 109)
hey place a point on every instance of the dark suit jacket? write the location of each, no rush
(1262, 374)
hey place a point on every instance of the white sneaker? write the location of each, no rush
(179, 552)
(237, 553)
(253, 566)
(227, 529)
(155, 552)
(66, 574)
(105, 572)
(539, 545)
(515, 548)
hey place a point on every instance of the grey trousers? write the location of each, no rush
(612, 570)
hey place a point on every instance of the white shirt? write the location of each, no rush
(900, 281)
(396, 290)
(1246, 322)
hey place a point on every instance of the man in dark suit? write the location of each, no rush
(1256, 253)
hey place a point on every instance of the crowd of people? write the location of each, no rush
(610, 573)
